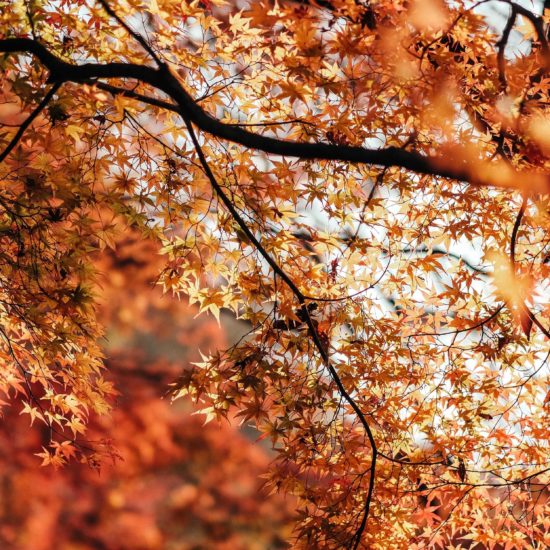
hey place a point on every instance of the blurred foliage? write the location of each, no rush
(173, 483)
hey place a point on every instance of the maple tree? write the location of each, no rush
(365, 183)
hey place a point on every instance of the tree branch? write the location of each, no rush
(515, 230)
(538, 22)
(501, 45)
(29, 120)
(163, 80)
(305, 315)
(436, 251)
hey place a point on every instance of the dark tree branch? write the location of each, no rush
(536, 321)
(436, 251)
(165, 81)
(501, 45)
(305, 315)
(116, 90)
(533, 319)
(515, 229)
(538, 22)
(29, 120)
(459, 331)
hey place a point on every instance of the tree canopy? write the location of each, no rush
(366, 184)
